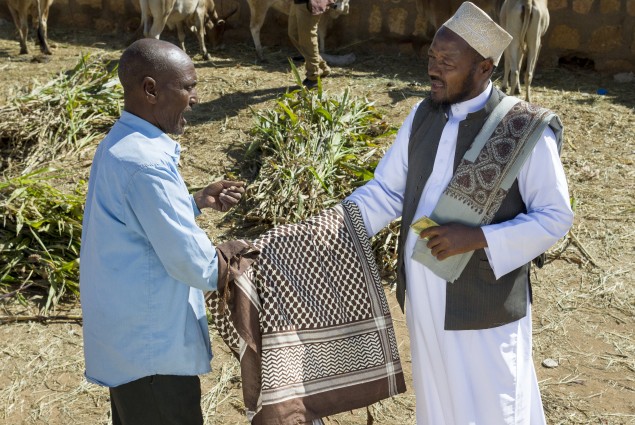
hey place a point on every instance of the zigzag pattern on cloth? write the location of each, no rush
(308, 362)
(323, 322)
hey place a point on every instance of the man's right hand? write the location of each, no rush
(221, 195)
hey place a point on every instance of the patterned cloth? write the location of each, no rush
(310, 323)
(484, 176)
(479, 183)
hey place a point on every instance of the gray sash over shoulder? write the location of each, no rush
(484, 176)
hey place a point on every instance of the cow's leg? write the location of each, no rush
(507, 53)
(514, 25)
(181, 34)
(21, 24)
(506, 70)
(258, 10)
(42, 30)
(199, 24)
(145, 17)
(160, 12)
(514, 70)
(533, 49)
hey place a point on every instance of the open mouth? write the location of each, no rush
(436, 85)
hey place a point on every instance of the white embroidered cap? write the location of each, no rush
(479, 31)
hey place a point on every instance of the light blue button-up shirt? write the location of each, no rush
(144, 261)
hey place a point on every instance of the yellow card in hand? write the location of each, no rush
(422, 223)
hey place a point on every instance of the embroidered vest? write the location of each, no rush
(476, 300)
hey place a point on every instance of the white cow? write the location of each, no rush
(20, 11)
(527, 21)
(259, 8)
(200, 15)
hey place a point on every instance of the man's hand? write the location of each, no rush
(221, 195)
(452, 239)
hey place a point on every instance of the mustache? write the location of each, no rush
(436, 79)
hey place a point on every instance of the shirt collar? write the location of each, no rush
(460, 110)
(160, 140)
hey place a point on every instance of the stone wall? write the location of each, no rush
(598, 33)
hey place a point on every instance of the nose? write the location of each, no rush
(433, 69)
(193, 97)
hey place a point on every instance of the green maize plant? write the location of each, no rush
(309, 152)
(39, 237)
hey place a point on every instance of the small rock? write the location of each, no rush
(550, 363)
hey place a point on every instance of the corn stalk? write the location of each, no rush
(60, 117)
(309, 152)
(39, 237)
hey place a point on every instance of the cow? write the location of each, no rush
(20, 11)
(527, 21)
(258, 10)
(215, 26)
(200, 15)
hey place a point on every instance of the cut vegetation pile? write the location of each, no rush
(60, 117)
(310, 151)
(39, 237)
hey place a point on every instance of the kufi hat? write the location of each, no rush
(479, 31)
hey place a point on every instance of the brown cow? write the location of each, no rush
(259, 8)
(20, 11)
(527, 21)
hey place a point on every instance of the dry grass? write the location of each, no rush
(584, 308)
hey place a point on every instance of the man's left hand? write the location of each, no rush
(453, 239)
(221, 195)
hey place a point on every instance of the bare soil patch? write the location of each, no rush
(584, 308)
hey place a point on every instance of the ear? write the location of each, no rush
(150, 89)
(486, 67)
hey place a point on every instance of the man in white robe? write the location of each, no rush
(473, 376)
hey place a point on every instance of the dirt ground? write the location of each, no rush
(584, 309)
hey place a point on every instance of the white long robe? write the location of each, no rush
(481, 377)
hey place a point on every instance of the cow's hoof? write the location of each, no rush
(207, 56)
(24, 51)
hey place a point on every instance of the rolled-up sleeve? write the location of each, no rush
(166, 213)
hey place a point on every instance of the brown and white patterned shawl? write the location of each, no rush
(310, 323)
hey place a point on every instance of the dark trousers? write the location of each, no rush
(158, 400)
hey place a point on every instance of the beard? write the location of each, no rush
(467, 86)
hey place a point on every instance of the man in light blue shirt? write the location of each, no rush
(144, 261)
